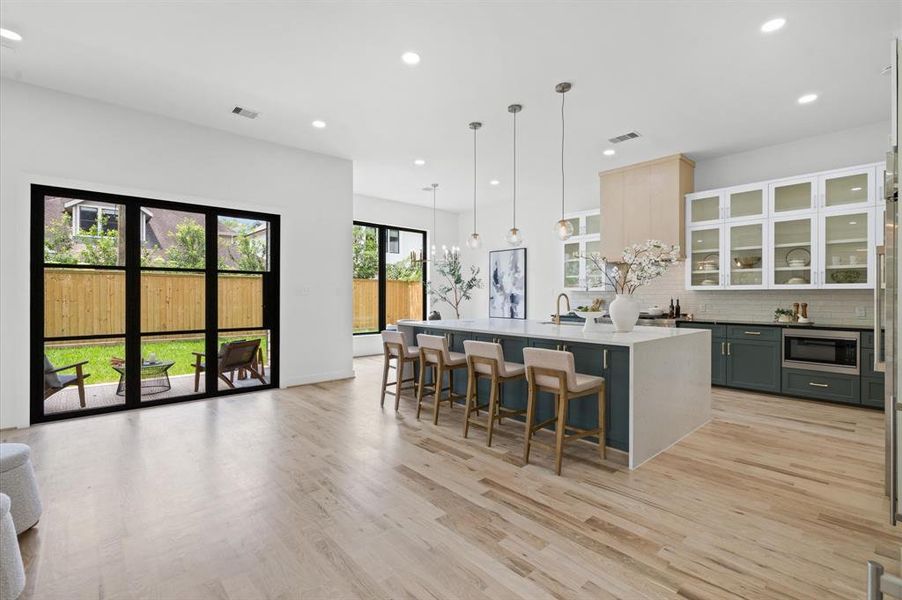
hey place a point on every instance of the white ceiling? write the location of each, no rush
(692, 77)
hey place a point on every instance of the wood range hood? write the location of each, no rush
(645, 201)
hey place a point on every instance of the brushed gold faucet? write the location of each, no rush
(557, 313)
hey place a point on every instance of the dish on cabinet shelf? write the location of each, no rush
(797, 281)
(708, 282)
(746, 262)
(846, 276)
(798, 257)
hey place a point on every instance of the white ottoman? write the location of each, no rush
(12, 573)
(18, 482)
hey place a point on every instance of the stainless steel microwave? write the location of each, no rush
(822, 350)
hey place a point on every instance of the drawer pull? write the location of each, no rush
(605, 360)
(729, 349)
(752, 332)
(723, 348)
(820, 385)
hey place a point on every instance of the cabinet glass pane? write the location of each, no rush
(792, 252)
(571, 265)
(705, 256)
(747, 204)
(792, 196)
(593, 224)
(846, 249)
(746, 250)
(594, 274)
(705, 209)
(851, 189)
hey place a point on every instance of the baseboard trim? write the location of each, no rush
(287, 382)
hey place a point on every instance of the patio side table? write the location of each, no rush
(154, 378)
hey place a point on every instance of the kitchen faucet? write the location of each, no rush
(557, 313)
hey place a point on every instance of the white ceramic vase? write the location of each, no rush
(624, 311)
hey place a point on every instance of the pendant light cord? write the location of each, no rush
(474, 180)
(563, 97)
(515, 171)
(434, 235)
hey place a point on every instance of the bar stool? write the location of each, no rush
(394, 346)
(486, 359)
(434, 354)
(553, 371)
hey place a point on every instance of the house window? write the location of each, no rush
(394, 241)
(86, 220)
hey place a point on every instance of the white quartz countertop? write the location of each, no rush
(602, 334)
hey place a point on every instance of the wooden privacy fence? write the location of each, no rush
(89, 302)
(403, 300)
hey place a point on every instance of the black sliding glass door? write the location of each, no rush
(138, 301)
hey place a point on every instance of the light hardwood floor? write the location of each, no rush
(314, 492)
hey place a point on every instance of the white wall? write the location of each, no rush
(538, 213)
(59, 139)
(389, 212)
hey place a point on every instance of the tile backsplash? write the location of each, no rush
(826, 306)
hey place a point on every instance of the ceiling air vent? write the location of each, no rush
(630, 135)
(245, 112)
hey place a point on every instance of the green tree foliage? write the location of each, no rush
(58, 241)
(366, 253)
(188, 249)
(455, 287)
(248, 252)
(101, 244)
(405, 270)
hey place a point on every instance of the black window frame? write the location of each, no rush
(133, 270)
(382, 246)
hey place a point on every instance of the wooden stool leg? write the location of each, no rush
(421, 386)
(439, 376)
(602, 442)
(384, 381)
(530, 417)
(399, 375)
(493, 410)
(559, 430)
(468, 406)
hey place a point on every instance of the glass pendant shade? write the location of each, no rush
(474, 242)
(564, 229)
(513, 237)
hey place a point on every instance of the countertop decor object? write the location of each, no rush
(507, 283)
(639, 265)
(798, 257)
(784, 315)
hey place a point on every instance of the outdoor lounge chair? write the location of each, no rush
(54, 382)
(241, 355)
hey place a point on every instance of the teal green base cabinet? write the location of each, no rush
(753, 365)
(872, 392)
(835, 387)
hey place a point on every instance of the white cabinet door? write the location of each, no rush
(847, 248)
(792, 196)
(793, 252)
(745, 202)
(572, 264)
(746, 256)
(704, 208)
(847, 187)
(703, 260)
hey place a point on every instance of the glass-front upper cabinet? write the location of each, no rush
(792, 195)
(704, 257)
(847, 187)
(747, 255)
(793, 252)
(848, 249)
(746, 202)
(704, 207)
(572, 262)
(582, 252)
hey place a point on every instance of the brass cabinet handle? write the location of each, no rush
(729, 349)
(752, 332)
(564, 347)
(723, 348)
(605, 359)
(821, 385)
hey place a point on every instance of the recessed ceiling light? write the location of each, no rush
(9, 34)
(609, 152)
(773, 25)
(853, 222)
(420, 162)
(807, 98)
(494, 182)
(856, 189)
(319, 124)
(410, 58)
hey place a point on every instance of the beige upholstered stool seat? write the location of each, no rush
(395, 347)
(554, 371)
(436, 356)
(486, 360)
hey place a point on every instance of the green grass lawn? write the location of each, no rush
(177, 350)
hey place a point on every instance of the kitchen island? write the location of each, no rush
(658, 378)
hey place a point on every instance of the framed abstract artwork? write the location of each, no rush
(507, 283)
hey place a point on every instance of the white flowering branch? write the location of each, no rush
(639, 265)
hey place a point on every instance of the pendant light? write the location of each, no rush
(513, 236)
(416, 256)
(473, 242)
(563, 228)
